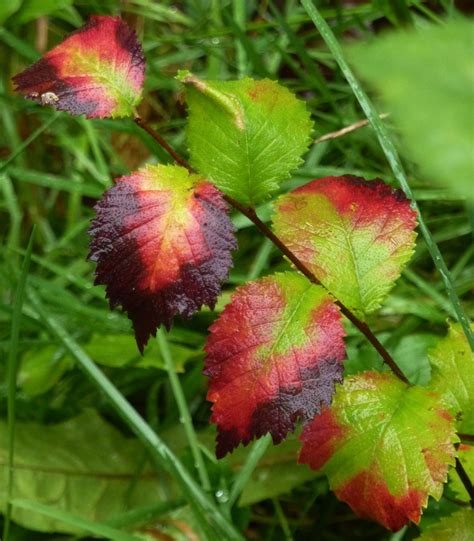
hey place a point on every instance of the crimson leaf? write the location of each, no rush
(162, 241)
(274, 356)
(97, 71)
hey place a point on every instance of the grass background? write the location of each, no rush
(54, 167)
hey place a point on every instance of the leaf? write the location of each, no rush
(425, 80)
(245, 136)
(457, 527)
(273, 357)
(118, 350)
(92, 473)
(452, 361)
(33, 9)
(42, 368)
(7, 8)
(354, 235)
(162, 241)
(384, 446)
(97, 71)
(466, 457)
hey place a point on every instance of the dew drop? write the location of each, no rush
(222, 496)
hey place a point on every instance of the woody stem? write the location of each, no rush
(253, 217)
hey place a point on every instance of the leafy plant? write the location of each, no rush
(162, 241)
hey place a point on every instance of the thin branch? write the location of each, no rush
(465, 481)
(466, 437)
(253, 217)
(346, 130)
(176, 157)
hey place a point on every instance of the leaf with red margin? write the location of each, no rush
(273, 357)
(97, 71)
(384, 446)
(162, 240)
(354, 235)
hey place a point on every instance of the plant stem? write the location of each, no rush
(465, 481)
(253, 217)
(393, 159)
(176, 157)
(344, 131)
(185, 417)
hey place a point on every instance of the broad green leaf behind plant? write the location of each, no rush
(426, 81)
(83, 465)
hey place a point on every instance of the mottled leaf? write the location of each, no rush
(245, 136)
(162, 241)
(274, 356)
(457, 527)
(83, 466)
(384, 446)
(453, 361)
(354, 235)
(97, 71)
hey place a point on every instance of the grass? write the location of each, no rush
(54, 167)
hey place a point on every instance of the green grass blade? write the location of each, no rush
(204, 507)
(95, 528)
(183, 409)
(256, 453)
(12, 368)
(28, 141)
(393, 158)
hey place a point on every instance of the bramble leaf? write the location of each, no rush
(457, 527)
(273, 357)
(97, 71)
(452, 360)
(245, 136)
(354, 235)
(384, 446)
(162, 241)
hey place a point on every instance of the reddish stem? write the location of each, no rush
(253, 217)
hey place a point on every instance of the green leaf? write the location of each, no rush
(33, 9)
(117, 350)
(90, 474)
(452, 364)
(42, 368)
(354, 235)
(384, 446)
(425, 78)
(101, 530)
(466, 457)
(457, 527)
(7, 8)
(245, 136)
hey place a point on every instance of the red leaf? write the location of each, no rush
(162, 241)
(274, 356)
(97, 71)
